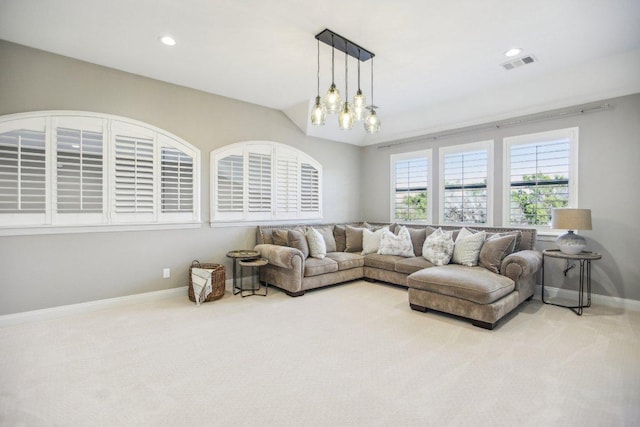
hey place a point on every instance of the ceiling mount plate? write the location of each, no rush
(344, 45)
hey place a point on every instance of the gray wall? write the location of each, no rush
(609, 152)
(52, 270)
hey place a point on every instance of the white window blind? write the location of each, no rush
(410, 186)
(309, 188)
(230, 184)
(288, 184)
(134, 175)
(176, 181)
(79, 171)
(465, 175)
(263, 180)
(22, 171)
(541, 176)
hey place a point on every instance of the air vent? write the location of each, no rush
(529, 59)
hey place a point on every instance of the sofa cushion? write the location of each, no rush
(384, 262)
(396, 244)
(371, 240)
(353, 238)
(327, 235)
(467, 247)
(438, 247)
(280, 237)
(474, 284)
(317, 247)
(316, 266)
(411, 265)
(516, 233)
(494, 250)
(297, 239)
(346, 260)
(340, 236)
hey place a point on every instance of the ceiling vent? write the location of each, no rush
(525, 60)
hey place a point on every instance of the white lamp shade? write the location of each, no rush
(571, 219)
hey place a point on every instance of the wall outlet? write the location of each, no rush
(166, 273)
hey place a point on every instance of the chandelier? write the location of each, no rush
(348, 112)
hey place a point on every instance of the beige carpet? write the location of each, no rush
(350, 355)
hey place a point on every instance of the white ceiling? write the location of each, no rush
(437, 63)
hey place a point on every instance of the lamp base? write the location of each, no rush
(570, 243)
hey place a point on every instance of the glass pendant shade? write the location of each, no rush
(346, 117)
(359, 105)
(332, 99)
(372, 122)
(318, 113)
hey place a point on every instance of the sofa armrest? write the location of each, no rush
(281, 256)
(521, 264)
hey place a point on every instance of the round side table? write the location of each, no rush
(252, 264)
(585, 259)
(239, 255)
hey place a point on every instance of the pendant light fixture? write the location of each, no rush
(372, 122)
(348, 113)
(319, 111)
(346, 117)
(332, 98)
(359, 101)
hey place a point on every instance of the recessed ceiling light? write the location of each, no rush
(168, 40)
(513, 52)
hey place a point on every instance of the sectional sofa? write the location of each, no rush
(484, 293)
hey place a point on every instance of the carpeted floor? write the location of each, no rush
(349, 355)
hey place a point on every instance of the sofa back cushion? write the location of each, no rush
(494, 250)
(297, 239)
(353, 238)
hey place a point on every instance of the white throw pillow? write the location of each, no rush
(371, 240)
(317, 246)
(467, 247)
(438, 247)
(400, 244)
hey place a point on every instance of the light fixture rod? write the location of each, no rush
(344, 45)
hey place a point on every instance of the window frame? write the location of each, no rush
(282, 155)
(393, 159)
(572, 134)
(462, 148)
(53, 221)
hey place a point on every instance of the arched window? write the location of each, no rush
(263, 180)
(60, 170)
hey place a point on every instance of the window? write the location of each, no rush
(410, 191)
(68, 169)
(262, 180)
(465, 183)
(540, 174)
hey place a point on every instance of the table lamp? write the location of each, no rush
(571, 219)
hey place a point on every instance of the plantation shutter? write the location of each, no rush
(79, 166)
(259, 180)
(410, 195)
(23, 169)
(539, 181)
(309, 188)
(176, 181)
(230, 184)
(288, 184)
(465, 187)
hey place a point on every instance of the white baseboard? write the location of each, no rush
(627, 304)
(86, 307)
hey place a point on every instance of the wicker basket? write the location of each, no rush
(217, 280)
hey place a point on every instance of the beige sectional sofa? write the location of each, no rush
(480, 294)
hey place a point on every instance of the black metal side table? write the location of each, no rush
(252, 264)
(585, 259)
(243, 254)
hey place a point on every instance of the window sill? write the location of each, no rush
(35, 230)
(217, 224)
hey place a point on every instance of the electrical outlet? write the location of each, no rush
(166, 273)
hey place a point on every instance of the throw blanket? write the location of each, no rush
(201, 280)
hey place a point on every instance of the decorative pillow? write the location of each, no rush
(339, 234)
(438, 247)
(353, 238)
(418, 236)
(391, 244)
(280, 237)
(296, 239)
(371, 240)
(467, 247)
(516, 233)
(327, 235)
(494, 250)
(317, 247)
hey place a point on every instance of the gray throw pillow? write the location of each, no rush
(516, 233)
(353, 238)
(339, 234)
(329, 239)
(494, 250)
(280, 237)
(297, 239)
